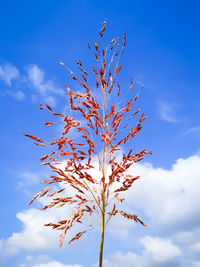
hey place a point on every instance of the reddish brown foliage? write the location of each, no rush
(101, 126)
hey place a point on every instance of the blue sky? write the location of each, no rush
(162, 52)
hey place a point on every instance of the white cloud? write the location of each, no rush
(6, 251)
(165, 192)
(196, 264)
(186, 237)
(119, 259)
(44, 261)
(44, 87)
(50, 264)
(19, 95)
(168, 198)
(55, 264)
(27, 179)
(50, 100)
(196, 247)
(34, 235)
(158, 252)
(166, 111)
(8, 72)
(195, 129)
(35, 79)
(164, 256)
(36, 76)
(160, 249)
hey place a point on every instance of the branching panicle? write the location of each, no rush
(97, 126)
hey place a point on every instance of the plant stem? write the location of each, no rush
(103, 189)
(102, 240)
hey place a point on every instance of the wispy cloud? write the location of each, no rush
(27, 178)
(34, 78)
(8, 72)
(44, 87)
(195, 129)
(19, 95)
(166, 111)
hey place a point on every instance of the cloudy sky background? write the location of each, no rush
(162, 52)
